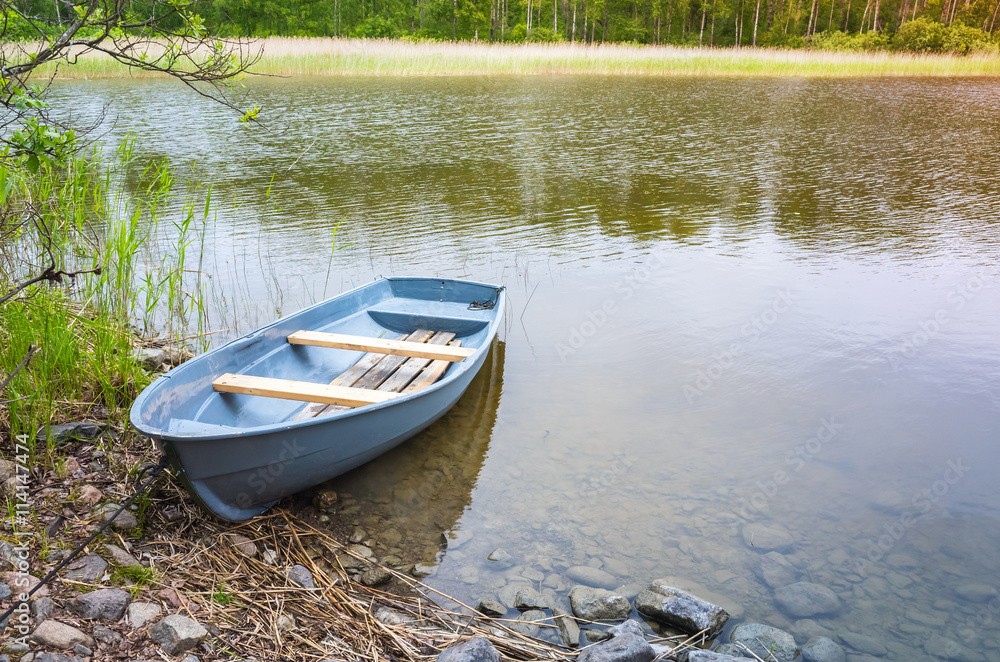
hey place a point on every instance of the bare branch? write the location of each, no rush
(32, 349)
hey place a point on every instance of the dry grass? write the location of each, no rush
(358, 57)
(335, 619)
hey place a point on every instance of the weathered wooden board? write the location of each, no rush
(380, 345)
(288, 389)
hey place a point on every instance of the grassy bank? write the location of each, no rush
(357, 57)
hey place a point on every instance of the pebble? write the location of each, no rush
(59, 635)
(375, 576)
(42, 608)
(106, 604)
(243, 545)
(569, 631)
(86, 570)
(124, 522)
(501, 558)
(176, 634)
(358, 535)
(301, 576)
(140, 613)
(121, 557)
(525, 623)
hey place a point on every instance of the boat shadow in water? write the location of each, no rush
(407, 499)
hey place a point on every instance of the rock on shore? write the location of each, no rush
(680, 609)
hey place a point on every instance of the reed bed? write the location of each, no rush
(285, 56)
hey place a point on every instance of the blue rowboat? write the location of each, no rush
(320, 392)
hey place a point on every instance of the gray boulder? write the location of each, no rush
(823, 649)
(569, 631)
(596, 604)
(477, 649)
(107, 604)
(804, 599)
(59, 635)
(583, 574)
(680, 609)
(623, 648)
(528, 598)
(126, 521)
(4, 591)
(763, 640)
(176, 634)
(86, 570)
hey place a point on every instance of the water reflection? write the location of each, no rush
(654, 378)
(409, 498)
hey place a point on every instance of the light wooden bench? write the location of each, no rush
(392, 367)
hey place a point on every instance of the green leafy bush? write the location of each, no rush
(963, 39)
(921, 35)
(543, 36)
(376, 27)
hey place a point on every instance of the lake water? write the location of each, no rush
(734, 304)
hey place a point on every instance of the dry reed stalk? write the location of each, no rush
(245, 597)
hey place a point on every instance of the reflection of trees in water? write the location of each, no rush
(407, 498)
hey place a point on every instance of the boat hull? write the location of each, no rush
(237, 455)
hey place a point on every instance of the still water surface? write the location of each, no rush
(733, 303)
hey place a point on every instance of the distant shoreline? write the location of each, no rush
(359, 57)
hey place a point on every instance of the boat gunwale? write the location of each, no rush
(461, 367)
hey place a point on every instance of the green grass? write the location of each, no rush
(357, 57)
(86, 214)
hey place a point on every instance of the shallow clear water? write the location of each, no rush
(733, 302)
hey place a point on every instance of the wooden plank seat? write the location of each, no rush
(419, 350)
(382, 374)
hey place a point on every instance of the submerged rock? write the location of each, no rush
(491, 607)
(775, 570)
(681, 609)
(763, 640)
(823, 649)
(710, 656)
(597, 604)
(767, 538)
(526, 624)
(804, 599)
(528, 598)
(583, 574)
(477, 649)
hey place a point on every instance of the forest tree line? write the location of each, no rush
(957, 26)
